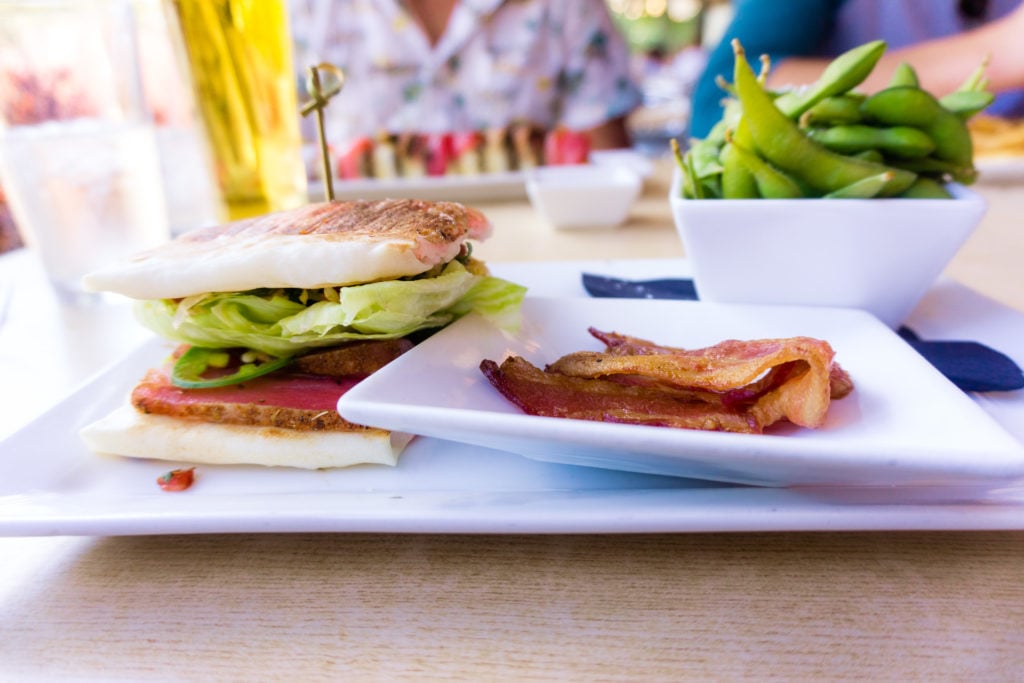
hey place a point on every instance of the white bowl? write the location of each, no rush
(583, 196)
(878, 255)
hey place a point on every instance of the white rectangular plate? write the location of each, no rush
(467, 188)
(478, 188)
(50, 484)
(999, 169)
(903, 424)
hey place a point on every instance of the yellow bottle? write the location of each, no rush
(239, 54)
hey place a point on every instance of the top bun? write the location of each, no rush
(328, 244)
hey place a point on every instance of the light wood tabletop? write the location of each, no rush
(880, 606)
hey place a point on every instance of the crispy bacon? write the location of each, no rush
(733, 385)
(302, 397)
(541, 393)
(624, 345)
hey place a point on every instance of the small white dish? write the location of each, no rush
(904, 423)
(583, 196)
(629, 158)
(878, 255)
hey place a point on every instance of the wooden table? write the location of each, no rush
(792, 606)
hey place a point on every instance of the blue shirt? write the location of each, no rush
(826, 28)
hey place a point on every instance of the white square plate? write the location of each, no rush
(904, 423)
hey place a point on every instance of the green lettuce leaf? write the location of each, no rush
(278, 324)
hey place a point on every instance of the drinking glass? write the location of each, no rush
(79, 161)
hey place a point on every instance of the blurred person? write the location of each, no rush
(10, 238)
(944, 40)
(433, 66)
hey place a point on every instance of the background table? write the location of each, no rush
(875, 606)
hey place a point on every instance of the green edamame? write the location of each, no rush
(976, 81)
(737, 180)
(967, 103)
(908, 106)
(834, 110)
(904, 74)
(865, 188)
(705, 158)
(926, 188)
(689, 180)
(937, 167)
(701, 170)
(692, 185)
(829, 141)
(899, 141)
(784, 144)
(771, 182)
(871, 155)
(844, 73)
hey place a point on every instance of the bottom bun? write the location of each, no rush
(127, 432)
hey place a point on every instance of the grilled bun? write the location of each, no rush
(329, 244)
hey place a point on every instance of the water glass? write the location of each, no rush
(79, 160)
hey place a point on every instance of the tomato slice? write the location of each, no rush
(177, 480)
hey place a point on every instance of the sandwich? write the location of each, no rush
(273, 318)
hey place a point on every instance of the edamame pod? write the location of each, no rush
(907, 106)
(737, 180)
(904, 74)
(834, 110)
(976, 81)
(696, 185)
(937, 168)
(900, 141)
(691, 186)
(771, 182)
(781, 142)
(967, 103)
(926, 188)
(866, 188)
(705, 158)
(842, 74)
(701, 170)
(872, 155)
(716, 135)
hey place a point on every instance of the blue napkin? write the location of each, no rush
(969, 365)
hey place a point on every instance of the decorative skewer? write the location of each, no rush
(321, 96)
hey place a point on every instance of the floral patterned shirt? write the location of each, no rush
(499, 62)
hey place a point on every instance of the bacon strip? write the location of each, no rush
(624, 345)
(734, 385)
(537, 392)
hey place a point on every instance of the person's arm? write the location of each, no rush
(771, 27)
(611, 134)
(941, 64)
